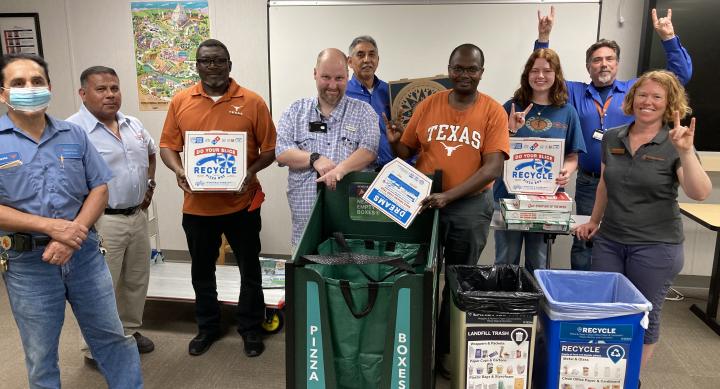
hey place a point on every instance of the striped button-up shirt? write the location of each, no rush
(353, 124)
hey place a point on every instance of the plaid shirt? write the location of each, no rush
(353, 124)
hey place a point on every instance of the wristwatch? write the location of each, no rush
(151, 183)
(314, 157)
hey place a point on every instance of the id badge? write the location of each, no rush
(598, 134)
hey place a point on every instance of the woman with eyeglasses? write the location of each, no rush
(539, 109)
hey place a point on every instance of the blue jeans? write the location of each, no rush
(585, 189)
(38, 291)
(508, 245)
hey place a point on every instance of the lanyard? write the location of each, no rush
(602, 111)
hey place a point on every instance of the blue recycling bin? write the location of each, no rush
(592, 327)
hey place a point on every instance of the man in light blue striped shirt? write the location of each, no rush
(129, 150)
(323, 138)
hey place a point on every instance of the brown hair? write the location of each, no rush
(677, 99)
(558, 91)
(602, 43)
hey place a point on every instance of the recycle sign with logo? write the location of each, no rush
(533, 166)
(215, 161)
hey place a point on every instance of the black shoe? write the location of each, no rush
(253, 344)
(201, 343)
(144, 344)
(91, 363)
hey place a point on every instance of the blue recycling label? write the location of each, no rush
(614, 352)
(619, 333)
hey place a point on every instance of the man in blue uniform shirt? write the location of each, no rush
(366, 86)
(52, 190)
(599, 105)
(129, 150)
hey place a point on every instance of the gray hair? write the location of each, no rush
(361, 39)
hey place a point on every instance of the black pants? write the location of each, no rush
(242, 231)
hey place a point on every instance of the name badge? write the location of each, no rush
(617, 151)
(598, 134)
(9, 160)
(318, 127)
(67, 150)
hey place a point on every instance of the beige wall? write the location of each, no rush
(80, 33)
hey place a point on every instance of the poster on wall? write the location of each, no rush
(20, 33)
(166, 35)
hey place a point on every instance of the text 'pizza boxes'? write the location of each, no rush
(215, 160)
(559, 202)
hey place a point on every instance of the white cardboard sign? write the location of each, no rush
(215, 160)
(533, 166)
(398, 190)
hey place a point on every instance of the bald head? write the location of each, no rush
(331, 55)
(331, 74)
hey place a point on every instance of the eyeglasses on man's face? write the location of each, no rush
(218, 61)
(472, 70)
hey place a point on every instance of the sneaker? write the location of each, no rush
(253, 344)
(201, 343)
(144, 344)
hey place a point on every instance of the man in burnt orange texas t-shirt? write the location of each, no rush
(463, 133)
(218, 103)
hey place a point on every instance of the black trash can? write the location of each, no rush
(493, 320)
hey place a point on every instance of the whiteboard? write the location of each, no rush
(416, 41)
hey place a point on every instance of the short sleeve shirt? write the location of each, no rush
(546, 121)
(353, 124)
(239, 110)
(642, 190)
(454, 141)
(127, 155)
(50, 178)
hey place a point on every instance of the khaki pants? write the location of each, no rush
(128, 257)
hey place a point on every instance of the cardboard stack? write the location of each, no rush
(538, 213)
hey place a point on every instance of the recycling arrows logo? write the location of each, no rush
(615, 353)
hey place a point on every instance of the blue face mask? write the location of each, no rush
(29, 99)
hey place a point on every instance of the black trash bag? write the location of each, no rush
(499, 289)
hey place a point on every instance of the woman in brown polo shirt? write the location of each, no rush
(642, 165)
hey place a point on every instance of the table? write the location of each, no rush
(708, 216)
(498, 223)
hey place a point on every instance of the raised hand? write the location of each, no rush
(545, 25)
(517, 119)
(682, 137)
(393, 129)
(663, 26)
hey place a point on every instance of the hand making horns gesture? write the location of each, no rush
(517, 119)
(663, 26)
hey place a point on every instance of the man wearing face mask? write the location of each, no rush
(53, 187)
(599, 106)
(326, 136)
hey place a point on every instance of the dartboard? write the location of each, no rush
(410, 95)
(225, 160)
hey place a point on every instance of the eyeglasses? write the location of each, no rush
(215, 61)
(469, 70)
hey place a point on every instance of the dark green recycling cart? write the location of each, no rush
(347, 334)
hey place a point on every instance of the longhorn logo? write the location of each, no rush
(450, 149)
(236, 109)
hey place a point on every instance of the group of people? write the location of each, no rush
(68, 188)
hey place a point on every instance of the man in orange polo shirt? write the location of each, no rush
(463, 133)
(217, 102)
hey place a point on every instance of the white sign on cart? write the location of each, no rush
(215, 160)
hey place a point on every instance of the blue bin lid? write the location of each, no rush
(586, 295)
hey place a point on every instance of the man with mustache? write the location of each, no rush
(217, 102)
(129, 150)
(599, 105)
(326, 136)
(364, 85)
